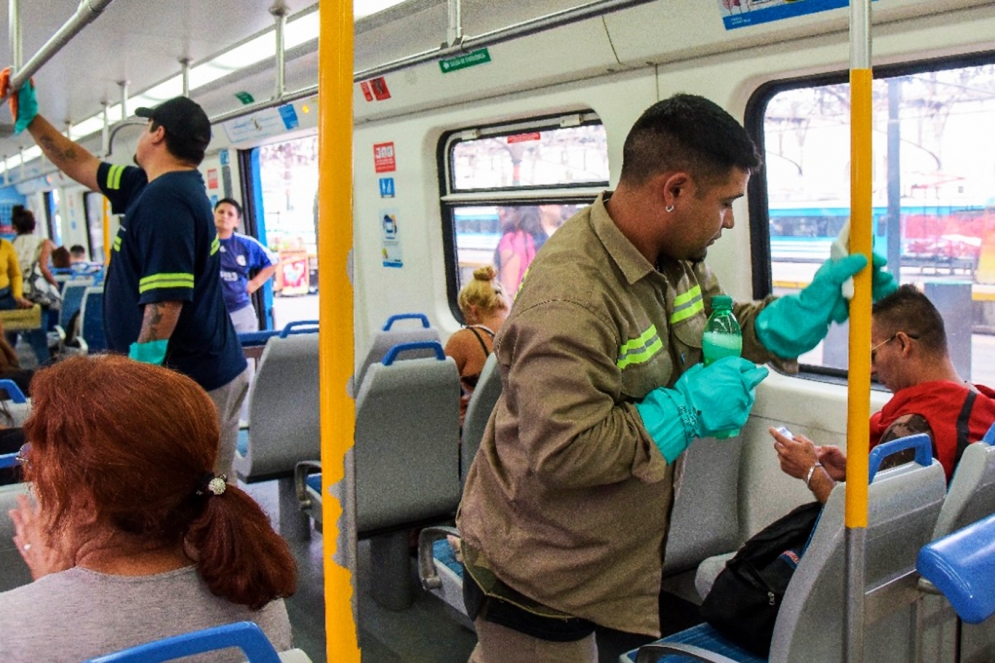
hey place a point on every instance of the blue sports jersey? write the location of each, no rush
(167, 249)
(240, 255)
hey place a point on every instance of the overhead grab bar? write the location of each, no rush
(531, 26)
(87, 11)
(279, 10)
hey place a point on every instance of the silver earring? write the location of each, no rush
(669, 208)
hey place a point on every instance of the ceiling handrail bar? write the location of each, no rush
(86, 13)
(522, 29)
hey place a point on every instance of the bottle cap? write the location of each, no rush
(721, 303)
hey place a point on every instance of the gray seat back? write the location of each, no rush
(478, 413)
(903, 505)
(407, 436)
(705, 518)
(382, 342)
(284, 425)
(972, 490)
(13, 571)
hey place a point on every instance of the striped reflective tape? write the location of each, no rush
(117, 243)
(157, 281)
(114, 177)
(640, 350)
(215, 245)
(687, 304)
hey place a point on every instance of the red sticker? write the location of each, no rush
(212, 178)
(366, 90)
(380, 90)
(524, 138)
(383, 157)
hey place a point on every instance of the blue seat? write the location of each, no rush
(247, 636)
(72, 301)
(903, 505)
(92, 321)
(962, 566)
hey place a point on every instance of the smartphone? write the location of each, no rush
(785, 432)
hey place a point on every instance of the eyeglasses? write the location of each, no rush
(874, 350)
(24, 454)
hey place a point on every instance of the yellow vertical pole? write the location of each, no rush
(859, 385)
(336, 309)
(107, 229)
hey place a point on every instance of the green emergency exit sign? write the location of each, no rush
(480, 56)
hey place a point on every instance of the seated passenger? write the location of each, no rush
(77, 253)
(484, 308)
(61, 258)
(134, 539)
(910, 357)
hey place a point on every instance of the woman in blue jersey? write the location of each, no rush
(240, 256)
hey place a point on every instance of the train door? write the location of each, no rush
(281, 199)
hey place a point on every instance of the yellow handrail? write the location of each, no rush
(335, 356)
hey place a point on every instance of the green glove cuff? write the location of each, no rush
(153, 352)
(669, 420)
(27, 107)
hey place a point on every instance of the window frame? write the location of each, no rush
(451, 198)
(757, 201)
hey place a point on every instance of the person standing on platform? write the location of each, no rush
(240, 256)
(162, 297)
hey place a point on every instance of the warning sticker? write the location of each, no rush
(383, 158)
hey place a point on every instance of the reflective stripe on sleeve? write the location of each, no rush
(157, 281)
(114, 177)
(640, 350)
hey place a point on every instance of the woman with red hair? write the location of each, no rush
(133, 538)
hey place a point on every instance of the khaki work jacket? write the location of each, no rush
(567, 503)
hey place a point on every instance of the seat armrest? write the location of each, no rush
(426, 564)
(301, 471)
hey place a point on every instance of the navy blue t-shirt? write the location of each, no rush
(241, 254)
(167, 249)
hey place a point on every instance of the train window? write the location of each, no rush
(507, 188)
(933, 199)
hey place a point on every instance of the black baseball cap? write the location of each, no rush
(188, 129)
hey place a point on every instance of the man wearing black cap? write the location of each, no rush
(163, 300)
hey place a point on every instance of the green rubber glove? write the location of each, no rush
(794, 324)
(153, 352)
(882, 283)
(27, 107)
(704, 401)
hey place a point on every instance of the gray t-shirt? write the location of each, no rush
(77, 614)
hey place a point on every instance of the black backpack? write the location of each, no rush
(743, 603)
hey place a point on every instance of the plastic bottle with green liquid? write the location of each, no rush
(722, 338)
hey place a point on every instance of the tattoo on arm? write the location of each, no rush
(159, 321)
(57, 154)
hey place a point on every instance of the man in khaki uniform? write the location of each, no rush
(566, 505)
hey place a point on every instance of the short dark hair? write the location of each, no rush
(909, 310)
(687, 132)
(232, 202)
(187, 127)
(22, 219)
(77, 250)
(60, 257)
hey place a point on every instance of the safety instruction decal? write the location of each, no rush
(383, 158)
(375, 89)
(391, 245)
(741, 13)
(386, 187)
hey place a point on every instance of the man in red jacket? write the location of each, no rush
(910, 357)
